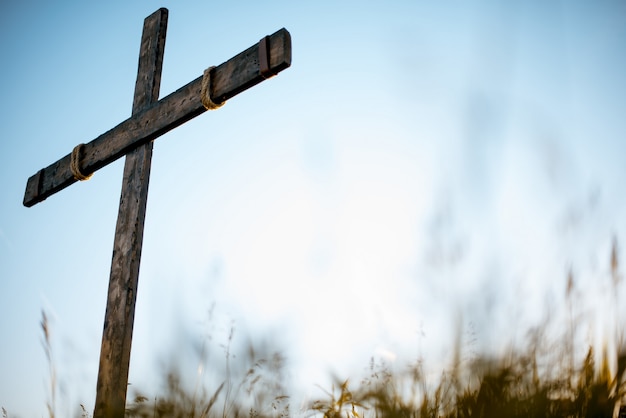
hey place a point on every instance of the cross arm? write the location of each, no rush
(228, 79)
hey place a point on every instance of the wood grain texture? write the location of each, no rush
(124, 278)
(228, 79)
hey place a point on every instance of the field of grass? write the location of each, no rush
(551, 375)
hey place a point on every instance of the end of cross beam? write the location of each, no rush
(31, 195)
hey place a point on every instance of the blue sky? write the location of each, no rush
(419, 161)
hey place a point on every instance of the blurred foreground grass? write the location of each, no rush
(547, 377)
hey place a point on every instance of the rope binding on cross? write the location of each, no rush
(205, 91)
(75, 164)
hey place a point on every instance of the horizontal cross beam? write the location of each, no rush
(227, 80)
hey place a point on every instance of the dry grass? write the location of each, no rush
(512, 387)
(541, 379)
(253, 386)
(548, 377)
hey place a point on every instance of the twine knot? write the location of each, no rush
(205, 91)
(75, 164)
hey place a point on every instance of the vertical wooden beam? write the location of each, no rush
(120, 310)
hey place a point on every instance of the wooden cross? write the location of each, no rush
(133, 138)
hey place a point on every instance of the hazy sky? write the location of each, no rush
(420, 162)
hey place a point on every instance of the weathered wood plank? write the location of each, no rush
(228, 79)
(124, 278)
